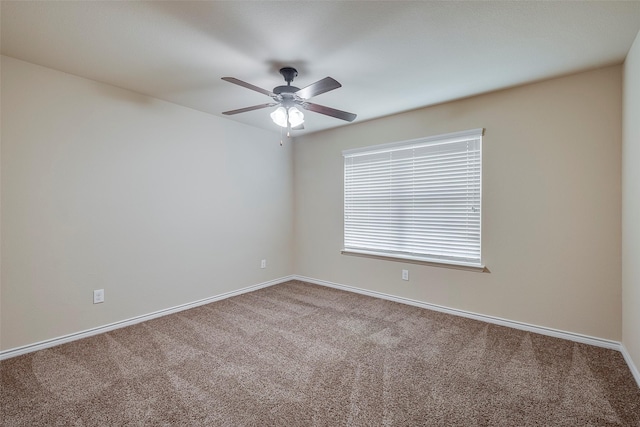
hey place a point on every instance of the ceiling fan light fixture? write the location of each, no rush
(296, 118)
(284, 118)
(279, 117)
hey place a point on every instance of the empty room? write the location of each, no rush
(320, 213)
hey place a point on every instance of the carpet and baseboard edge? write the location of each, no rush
(17, 351)
(632, 366)
(585, 339)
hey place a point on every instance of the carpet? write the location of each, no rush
(297, 354)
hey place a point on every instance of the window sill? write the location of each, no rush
(434, 263)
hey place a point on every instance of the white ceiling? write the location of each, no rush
(389, 56)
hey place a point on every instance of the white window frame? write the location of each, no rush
(376, 229)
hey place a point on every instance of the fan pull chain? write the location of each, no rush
(282, 134)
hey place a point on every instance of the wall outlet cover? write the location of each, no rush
(98, 296)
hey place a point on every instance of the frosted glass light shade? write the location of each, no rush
(279, 117)
(296, 118)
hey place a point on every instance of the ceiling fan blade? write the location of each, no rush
(327, 111)
(321, 86)
(299, 127)
(247, 85)
(244, 110)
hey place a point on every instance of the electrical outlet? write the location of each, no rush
(263, 263)
(405, 274)
(98, 296)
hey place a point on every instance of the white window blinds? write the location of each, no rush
(416, 199)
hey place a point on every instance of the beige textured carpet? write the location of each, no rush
(297, 354)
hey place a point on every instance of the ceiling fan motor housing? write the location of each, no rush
(285, 89)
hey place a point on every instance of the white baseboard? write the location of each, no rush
(632, 366)
(585, 339)
(13, 352)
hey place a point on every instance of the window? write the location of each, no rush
(417, 200)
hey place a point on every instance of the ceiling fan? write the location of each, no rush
(288, 98)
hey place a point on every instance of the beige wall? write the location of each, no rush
(104, 188)
(631, 205)
(551, 205)
(162, 205)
